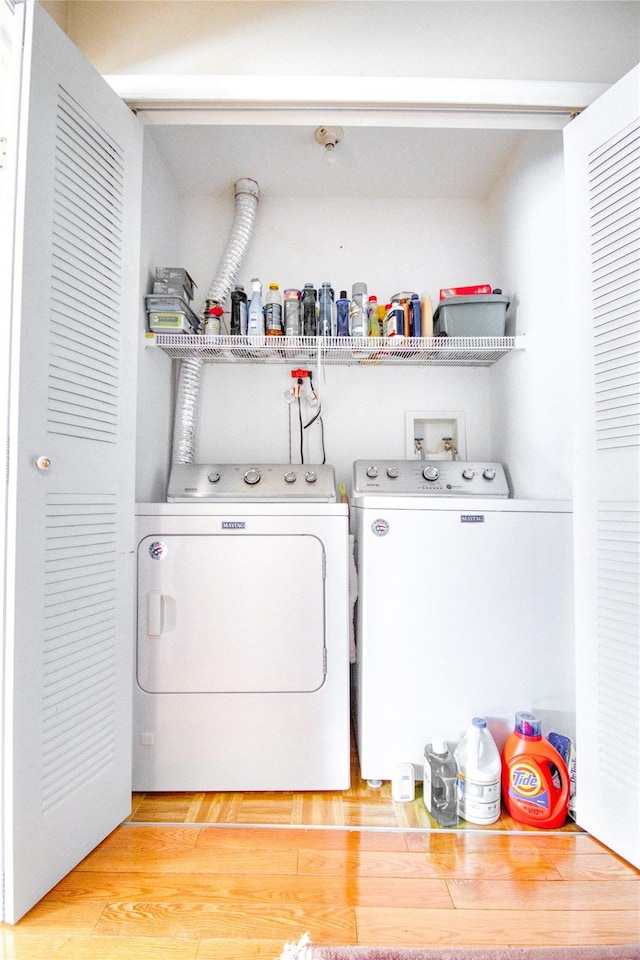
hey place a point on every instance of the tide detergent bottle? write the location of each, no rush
(535, 781)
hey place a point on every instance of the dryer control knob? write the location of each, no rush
(489, 473)
(468, 473)
(213, 477)
(372, 472)
(393, 473)
(431, 473)
(252, 476)
(311, 476)
(290, 477)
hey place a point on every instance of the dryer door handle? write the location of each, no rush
(155, 604)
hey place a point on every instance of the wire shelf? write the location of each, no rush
(368, 351)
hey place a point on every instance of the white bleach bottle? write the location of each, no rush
(479, 771)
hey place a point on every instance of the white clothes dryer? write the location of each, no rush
(242, 657)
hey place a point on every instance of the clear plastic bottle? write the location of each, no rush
(309, 311)
(479, 772)
(439, 784)
(343, 305)
(292, 313)
(358, 321)
(255, 326)
(238, 323)
(326, 311)
(273, 312)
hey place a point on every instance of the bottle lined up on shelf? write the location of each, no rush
(317, 312)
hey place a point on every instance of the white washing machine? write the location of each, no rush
(465, 608)
(242, 655)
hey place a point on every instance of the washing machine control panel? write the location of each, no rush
(431, 478)
(265, 482)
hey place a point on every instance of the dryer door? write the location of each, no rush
(231, 614)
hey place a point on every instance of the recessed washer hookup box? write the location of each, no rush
(480, 316)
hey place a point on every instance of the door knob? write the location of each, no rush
(43, 463)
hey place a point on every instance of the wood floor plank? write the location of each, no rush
(263, 889)
(159, 837)
(229, 949)
(275, 838)
(202, 920)
(543, 842)
(589, 866)
(41, 947)
(490, 928)
(471, 866)
(189, 861)
(77, 919)
(540, 895)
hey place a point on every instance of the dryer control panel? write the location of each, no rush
(430, 478)
(257, 482)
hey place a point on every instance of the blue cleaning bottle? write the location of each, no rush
(343, 306)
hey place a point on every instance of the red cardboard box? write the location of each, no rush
(465, 291)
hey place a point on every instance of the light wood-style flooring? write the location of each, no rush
(360, 806)
(237, 893)
(189, 878)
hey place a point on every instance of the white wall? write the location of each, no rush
(516, 411)
(160, 227)
(392, 246)
(531, 422)
(519, 39)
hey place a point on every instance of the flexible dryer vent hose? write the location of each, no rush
(188, 388)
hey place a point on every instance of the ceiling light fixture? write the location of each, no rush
(329, 138)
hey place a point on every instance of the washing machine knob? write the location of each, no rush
(213, 477)
(290, 477)
(431, 473)
(372, 472)
(252, 476)
(468, 473)
(393, 473)
(311, 476)
(489, 473)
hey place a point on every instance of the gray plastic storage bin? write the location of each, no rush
(480, 316)
(170, 314)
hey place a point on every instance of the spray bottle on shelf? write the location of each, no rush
(343, 306)
(255, 326)
(479, 770)
(439, 784)
(535, 781)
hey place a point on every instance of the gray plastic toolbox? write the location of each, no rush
(481, 316)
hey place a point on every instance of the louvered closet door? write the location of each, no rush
(603, 183)
(66, 758)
